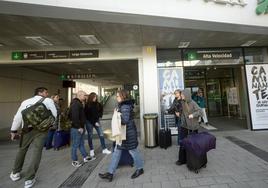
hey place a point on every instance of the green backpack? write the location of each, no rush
(65, 122)
(38, 116)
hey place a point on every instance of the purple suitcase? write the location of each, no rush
(61, 138)
(199, 143)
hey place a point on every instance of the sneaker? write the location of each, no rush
(76, 164)
(14, 177)
(91, 153)
(29, 183)
(87, 159)
(106, 151)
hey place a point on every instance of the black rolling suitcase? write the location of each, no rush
(165, 135)
(195, 162)
(196, 146)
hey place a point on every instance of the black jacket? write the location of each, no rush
(127, 118)
(77, 114)
(93, 112)
(176, 106)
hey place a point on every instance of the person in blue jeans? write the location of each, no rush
(77, 116)
(125, 107)
(93, 112)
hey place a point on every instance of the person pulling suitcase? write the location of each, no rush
(189, 122)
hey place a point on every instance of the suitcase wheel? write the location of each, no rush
(205, 166)
(196, 171)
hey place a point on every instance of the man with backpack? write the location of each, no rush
(31, 132)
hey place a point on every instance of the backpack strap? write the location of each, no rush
(41, 100)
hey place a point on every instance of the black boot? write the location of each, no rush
(179, 163)
(107, 176)
(137, 173)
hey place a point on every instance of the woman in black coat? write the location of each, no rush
(125, 107)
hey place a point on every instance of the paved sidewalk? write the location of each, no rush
(229, 165)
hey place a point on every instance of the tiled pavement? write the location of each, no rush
(229, 165)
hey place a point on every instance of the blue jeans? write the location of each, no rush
(117, 155)
(89, 128)
(49, 139)
(77, 140)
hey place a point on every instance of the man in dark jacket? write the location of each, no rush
(78, 119)
(176, 109)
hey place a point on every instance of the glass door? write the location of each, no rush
(226, 83)
(214, 98)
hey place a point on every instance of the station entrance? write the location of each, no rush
(218, 84)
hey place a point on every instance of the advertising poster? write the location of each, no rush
(233, 96)
(258, 95)
(170, 79)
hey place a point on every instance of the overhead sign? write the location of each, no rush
(262, 7)
(258, 95)
(16, 55)
(33, 55)
(57, 55)
(28, 55)
(210, 55)
(76, 76)
(39, 55)
(84, 54)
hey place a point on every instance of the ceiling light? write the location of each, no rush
(89, 39)
(184, 44)
(249, 43)
(39, 40)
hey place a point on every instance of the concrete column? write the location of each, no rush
(265, 54)
(148, 79)
(99, 92)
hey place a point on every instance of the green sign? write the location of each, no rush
(16, 55)
(262, 7)
(192, 56)
(76, 76)
(212, 55)
(39, 55)
(63, 77)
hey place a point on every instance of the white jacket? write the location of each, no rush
(17, 121)
(118, 131)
